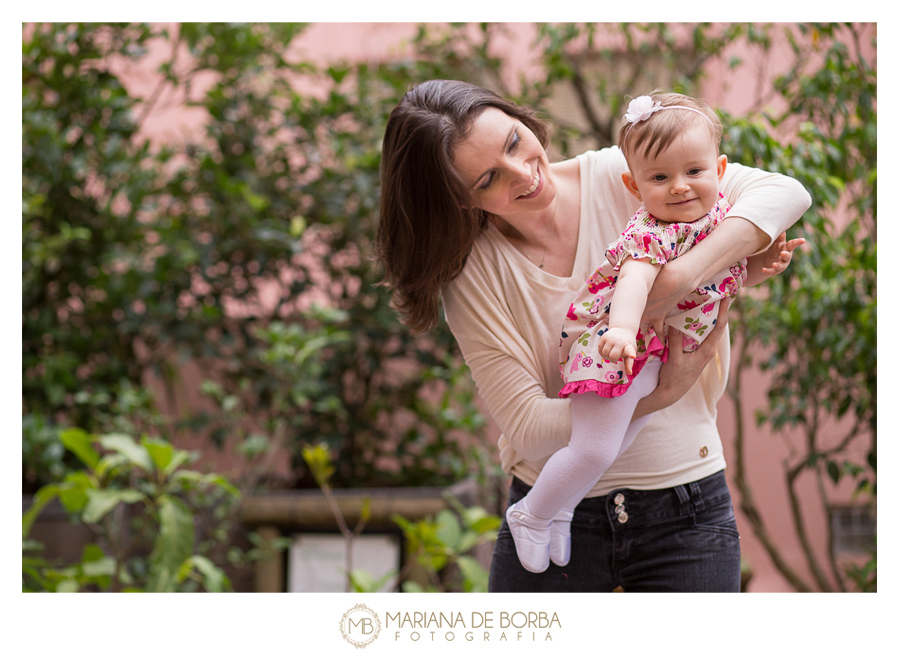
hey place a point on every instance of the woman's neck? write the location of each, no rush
(549, 238)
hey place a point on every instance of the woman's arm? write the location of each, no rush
(535, 425)
(764, 205)
(682, 369)
(505, 367)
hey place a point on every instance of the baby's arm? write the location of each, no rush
(636, 276)
(772, 261)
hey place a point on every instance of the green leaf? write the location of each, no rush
(75, 498)
(92, 552)
(319, 461)
(67, 586)
(43, 496)
(363, 581)
(365, 512)
(412, 587)
(214, 579)
(79, 442)
(126, 446)
(108, 463)
(160, 452)
(449, 532)
(468, 541)
(834, 472)
(474, 575)
(104, 566)
(337, 73)
(174, 544)
(179, 458)
(101, 501)
(31, 545)
(207, 478)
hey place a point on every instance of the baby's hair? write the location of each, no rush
(655, 134)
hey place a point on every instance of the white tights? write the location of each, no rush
(601, 431)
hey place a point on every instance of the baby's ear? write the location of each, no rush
(721, 163)
(631, 184)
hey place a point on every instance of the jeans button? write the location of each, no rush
(620, 509)
(619, 499)
(623, 517)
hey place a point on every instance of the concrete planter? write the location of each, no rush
(63, 540)
(280, 514)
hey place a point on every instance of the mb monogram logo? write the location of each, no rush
(360, 626)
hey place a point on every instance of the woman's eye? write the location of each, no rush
(487, 183)
(514, 143)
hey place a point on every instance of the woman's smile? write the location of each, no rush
(537, 184)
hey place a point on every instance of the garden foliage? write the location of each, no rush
(244, 248)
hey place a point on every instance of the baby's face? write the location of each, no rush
(681, 184)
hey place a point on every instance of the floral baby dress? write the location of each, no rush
(581, 367)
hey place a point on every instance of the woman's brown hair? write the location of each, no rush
(428, 220)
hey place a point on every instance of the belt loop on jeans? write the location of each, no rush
(697, 497)
(684, 499)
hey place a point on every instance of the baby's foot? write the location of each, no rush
(561, 537)
(532, 538)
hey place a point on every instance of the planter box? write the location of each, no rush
(280, 514)
(63, 540)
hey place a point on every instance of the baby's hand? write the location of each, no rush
(779, 254)
(616, 344)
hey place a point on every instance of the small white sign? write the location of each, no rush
(316, 562)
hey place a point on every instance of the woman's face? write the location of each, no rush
(505, 165)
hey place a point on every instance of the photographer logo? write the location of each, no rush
(360, 626)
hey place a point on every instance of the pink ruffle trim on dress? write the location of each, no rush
(607, 390)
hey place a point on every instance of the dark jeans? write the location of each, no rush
(682, 539)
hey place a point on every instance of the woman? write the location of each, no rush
(473, 212)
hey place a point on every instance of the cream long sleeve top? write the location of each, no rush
(506, 314)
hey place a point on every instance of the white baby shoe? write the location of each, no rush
(532, 537)
(561, 537)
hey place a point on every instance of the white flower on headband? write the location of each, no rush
(640, 109)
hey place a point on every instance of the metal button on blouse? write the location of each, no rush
(704, 451)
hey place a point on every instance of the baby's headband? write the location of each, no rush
(643, 107)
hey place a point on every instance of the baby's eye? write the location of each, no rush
(695, 171)
(659, 177)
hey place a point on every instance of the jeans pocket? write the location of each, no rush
(718, 518)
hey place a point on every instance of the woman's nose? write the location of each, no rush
(522, 171)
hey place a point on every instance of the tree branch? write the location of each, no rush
(747, 504)
(599, 129)
(800, 528)
(157, 91)
(832, 559)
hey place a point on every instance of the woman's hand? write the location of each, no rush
(682, 369)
